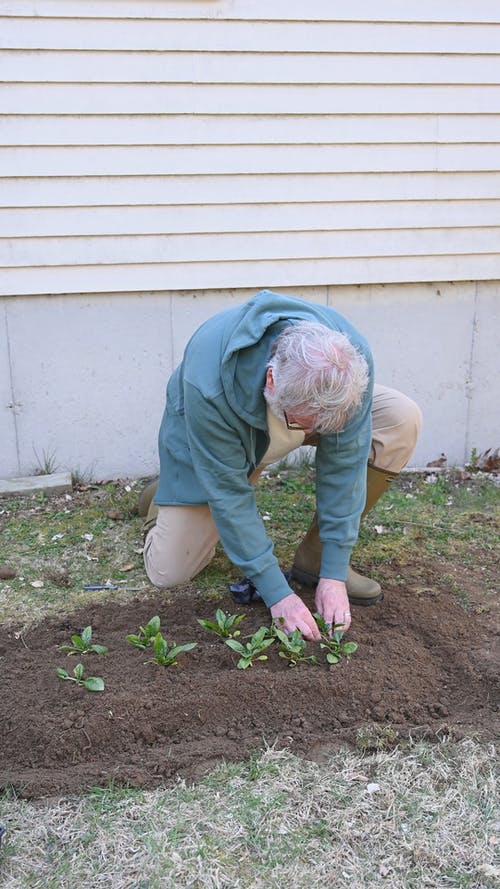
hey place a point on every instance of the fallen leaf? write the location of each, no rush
(127, 568)
(37, 584)
(7, 572)
(115, 515)
(441, 461)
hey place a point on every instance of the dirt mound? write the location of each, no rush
(423, 667)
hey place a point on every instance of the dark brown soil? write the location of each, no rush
(424, 667)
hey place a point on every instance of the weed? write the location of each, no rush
(225, 625)
(81, 478)
(91, 683)
(251, 650)
(474, 458)
(83, 644)
(293, 647)
(47, 464)
(146, 634)
(377, 737)
(165, 656)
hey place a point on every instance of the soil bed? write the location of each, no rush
(424, 667)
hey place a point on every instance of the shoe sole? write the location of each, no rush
(311, 580)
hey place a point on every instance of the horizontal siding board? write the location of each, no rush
(222, 159)
(119, 190)
(37, 222)
(244, 36)
(24, 252)
(243, 99)
(320, 10)
(236, 130)
(275, 144)
(274, 273)
(183, 129)
(229, 67)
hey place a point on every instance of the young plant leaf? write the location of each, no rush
(152, 626)
(94, 683)
(178, 649)
(236, 646)
(86, 637)
(98, 649)
(323, 626)
(349, 647)
(137, 641)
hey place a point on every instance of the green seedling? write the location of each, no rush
(146, 634)
(251, 650)
(91, 683)
(225, 625)
(165, 656)
(337, 649)
(323, 626)
(293, 647)
(83, 644)
(331, 641)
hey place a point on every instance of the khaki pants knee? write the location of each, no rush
(180, 545)
(396, 425)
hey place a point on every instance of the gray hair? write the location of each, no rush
(317, 372)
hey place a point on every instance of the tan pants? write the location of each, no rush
(183, 540)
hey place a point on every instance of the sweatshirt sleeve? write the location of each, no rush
(221, 465)
(341, 462)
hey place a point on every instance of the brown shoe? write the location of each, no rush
(146, 508)
(146, 498)
(360, 590)
(306, 566)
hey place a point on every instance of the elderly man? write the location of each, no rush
(257, 381)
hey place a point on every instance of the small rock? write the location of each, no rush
(7, 572)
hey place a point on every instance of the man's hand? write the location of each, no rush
(295, 616)
(332, 602)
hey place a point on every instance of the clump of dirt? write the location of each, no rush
(424, 667)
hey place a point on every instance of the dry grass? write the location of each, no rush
(275, 821)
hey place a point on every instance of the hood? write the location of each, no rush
(247, 343)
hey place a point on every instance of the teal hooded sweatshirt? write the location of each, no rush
(214, 434)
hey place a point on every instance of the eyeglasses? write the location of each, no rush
(298, 427)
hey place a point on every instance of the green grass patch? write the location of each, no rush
(59, 545)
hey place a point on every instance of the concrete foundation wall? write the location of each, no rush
(82, 378)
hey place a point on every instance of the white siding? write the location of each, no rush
(172, 145)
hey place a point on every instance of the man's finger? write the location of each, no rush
(312, 630)
(343, 617)
(306, 630)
